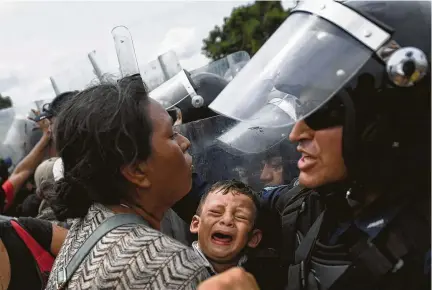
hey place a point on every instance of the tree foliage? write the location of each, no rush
(5, 102)
(247, 28)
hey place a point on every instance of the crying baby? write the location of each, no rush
(225, 223)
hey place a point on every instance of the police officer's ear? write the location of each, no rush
(255, 238)
(194, 226)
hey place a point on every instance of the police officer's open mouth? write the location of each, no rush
(221, 238)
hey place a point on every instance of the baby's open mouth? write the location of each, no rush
(221, 238)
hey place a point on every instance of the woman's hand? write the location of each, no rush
(232, 279)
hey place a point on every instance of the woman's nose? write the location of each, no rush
(183, 142)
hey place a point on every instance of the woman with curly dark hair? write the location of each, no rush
(121, 156)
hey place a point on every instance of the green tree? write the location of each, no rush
(5, 102)
(247, 28)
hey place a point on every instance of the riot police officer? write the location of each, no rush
(190, 94)
(352, 87)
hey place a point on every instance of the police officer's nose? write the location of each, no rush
(300, 131)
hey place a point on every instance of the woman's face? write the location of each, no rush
(169, 165)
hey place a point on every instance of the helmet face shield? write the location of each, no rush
(298, 70)
(304, 63)
(227, 67)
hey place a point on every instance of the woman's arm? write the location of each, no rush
(58, 237)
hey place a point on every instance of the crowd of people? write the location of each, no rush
(137, 190)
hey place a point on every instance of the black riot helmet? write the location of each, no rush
(389, 137)
(208, 86)
(364, 65)
(190, 93)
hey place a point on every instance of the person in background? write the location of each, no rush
(226, 225)
(272, 171)
(51, 110)
(277, 168)
(25, 168)
(44, 179)
(28, 202)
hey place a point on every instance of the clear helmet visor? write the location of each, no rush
(158, 71)
(18, 134)
(305, 62)
(175, 88)
(227, 67)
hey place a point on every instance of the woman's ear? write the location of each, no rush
(137, 174)
(255, 238)
(194, 226)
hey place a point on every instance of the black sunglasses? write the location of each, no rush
(331, 114)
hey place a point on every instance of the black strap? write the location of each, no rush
(298, 273)
(304, 250)
(290, 205)
(286, 196)
(65, 274)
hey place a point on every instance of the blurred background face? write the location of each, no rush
(272, 171)
(225, 225)
(321, 161)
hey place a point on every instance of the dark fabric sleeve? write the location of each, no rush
(270, 195)
(188, 205)
(40, 230)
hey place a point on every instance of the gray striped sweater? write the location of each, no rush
(129, 257)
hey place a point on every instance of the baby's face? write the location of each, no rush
(225, 225)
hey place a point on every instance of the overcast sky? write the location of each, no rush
(43, 39)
